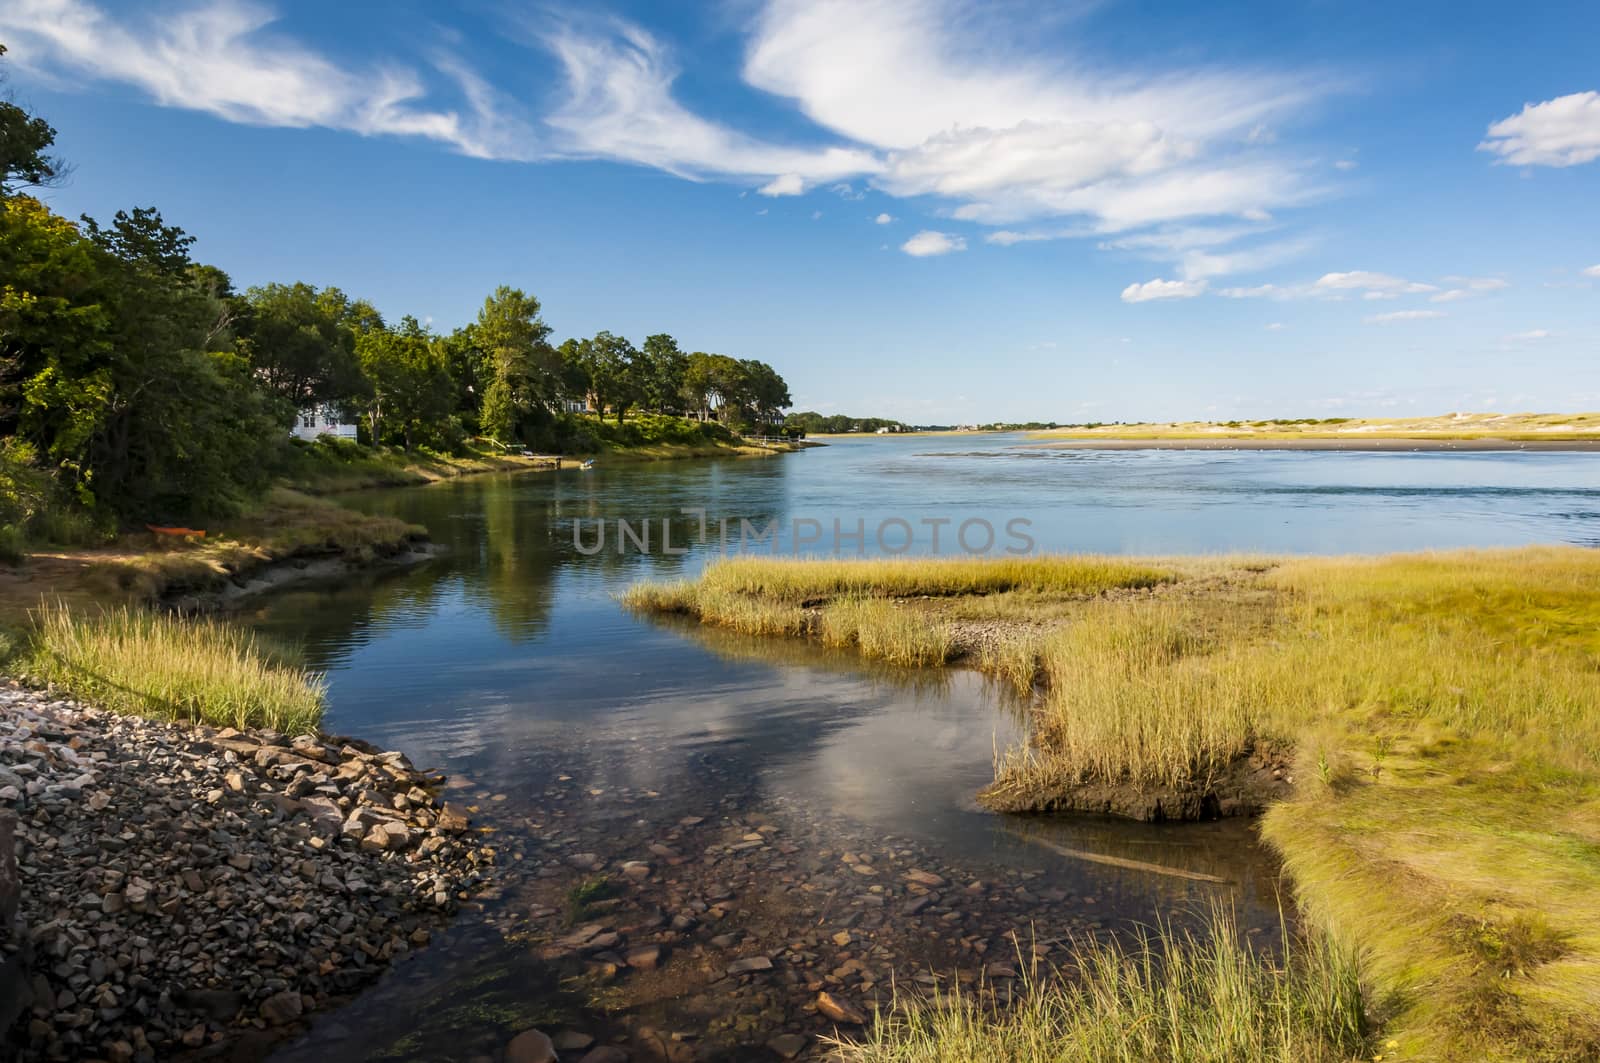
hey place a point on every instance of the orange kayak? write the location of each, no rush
(176, 531)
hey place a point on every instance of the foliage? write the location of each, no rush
(810, 422)
(24, 141)
(139, 386)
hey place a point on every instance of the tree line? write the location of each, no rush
(139, 384)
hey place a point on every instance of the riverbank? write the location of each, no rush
(199, 891)
(1455, 431)
(1368, 444)
(1439, 708)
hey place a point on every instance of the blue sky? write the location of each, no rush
(935, 210)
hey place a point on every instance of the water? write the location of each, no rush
(508, 662)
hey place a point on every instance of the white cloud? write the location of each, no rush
(928, 242)
(1529, 336)
(1368, 284)
(1468, 287)
(883, 219)
(221, 58)
(1275, 326)
(619, 105)
(1592, 271)
(1403, 315)
(1365, 280)
(1015, 136)
(1162, 289)
(1564, 131)
(789, 184)
(1346, 164)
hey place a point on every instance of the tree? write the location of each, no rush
(107, 373)
(409, 376)
(663, 367)
(520, 369)
(24, 139)
(608, 362)
(301, 342)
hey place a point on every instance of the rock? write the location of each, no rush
(281, 1009)
(606, 1054)
(750, 965)
(839, 1010)
(531, 1046)
(572, 1041)
(789, 1045)
(644, 958)
(925, 878)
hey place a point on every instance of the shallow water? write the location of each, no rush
(580, 728)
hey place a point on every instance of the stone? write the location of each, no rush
(572, 1041)
(281, 1009)
(606, 1054)
(789, 1045)
(531, 1046)
(839, 1010)
(644, 957)
(925, 878)
(750, 965)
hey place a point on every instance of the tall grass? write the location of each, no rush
(143, 664)
(792, 579)
(1171, 997)
(882, 630)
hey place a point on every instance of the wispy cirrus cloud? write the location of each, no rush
(1403, 315)
(1564, 131)
(223, 58)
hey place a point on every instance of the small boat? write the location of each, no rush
(179, 533)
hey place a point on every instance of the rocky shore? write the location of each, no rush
(181, 892)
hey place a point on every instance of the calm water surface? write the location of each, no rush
(508, 661)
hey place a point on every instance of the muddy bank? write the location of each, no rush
(1251, 783)
(232, 590)
(195, 893)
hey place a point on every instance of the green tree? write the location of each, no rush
(409, 374)
(24, 141)
(301, 343)
(663, 367)
(609, 363)
(520, 370)
(104, 333)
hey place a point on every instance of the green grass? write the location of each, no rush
(1444, 709)
(1171, 997)
(142, 664)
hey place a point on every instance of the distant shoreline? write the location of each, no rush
(1371, 445)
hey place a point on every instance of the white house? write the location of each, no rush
(323, 419)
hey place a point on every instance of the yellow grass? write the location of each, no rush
(194, 671)
(1446, 712)
(1173, 997)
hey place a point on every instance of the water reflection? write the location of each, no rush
(508, 660)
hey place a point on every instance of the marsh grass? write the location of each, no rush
(138, 663)
(1171, 996)
(1445, 709)
(800, 579)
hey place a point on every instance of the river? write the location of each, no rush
(776, 795)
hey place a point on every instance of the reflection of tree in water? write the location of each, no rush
(318, 625)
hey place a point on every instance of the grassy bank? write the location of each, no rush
(141, 568)
(1169, 998)
(139, 663)
(1444, 710)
